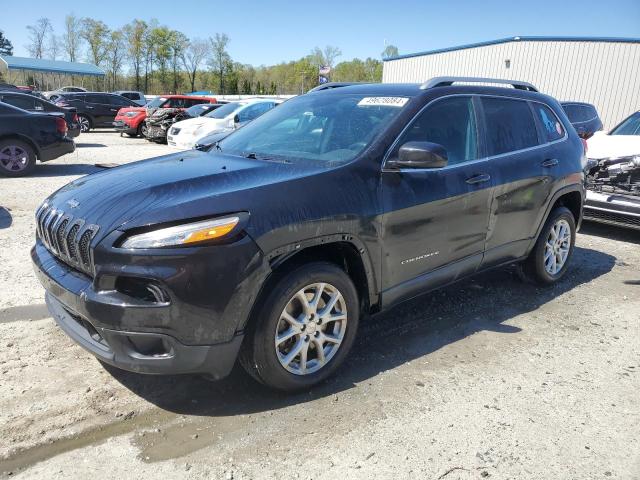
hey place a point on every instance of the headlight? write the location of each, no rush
(183, 234)
(132, 114)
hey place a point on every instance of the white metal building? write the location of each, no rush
(601, 71)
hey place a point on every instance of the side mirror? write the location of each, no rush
(420, 155)
(236, 119)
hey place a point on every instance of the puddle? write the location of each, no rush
(23, 459)
(24, 313)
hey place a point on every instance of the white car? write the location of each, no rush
(613, 176)
(184, 135)
(622, 141)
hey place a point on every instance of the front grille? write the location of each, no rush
(66, 237)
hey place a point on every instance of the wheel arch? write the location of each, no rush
(22, 138)
(344, 250)
(571, 197)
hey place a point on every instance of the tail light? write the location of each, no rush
(62, 103)
(75, 118)
(585, 145)
(61, 126)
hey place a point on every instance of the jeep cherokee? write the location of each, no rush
(339, 203)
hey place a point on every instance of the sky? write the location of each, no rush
(268, 32)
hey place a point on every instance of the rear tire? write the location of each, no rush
(17, 158)
(293, 344)
(548, 261)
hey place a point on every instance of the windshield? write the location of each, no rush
(156, 102)
(197, 110)
(333, 127)
(630, 126)
(225, 110)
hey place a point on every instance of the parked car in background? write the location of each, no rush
(338, 203)
(584, 118)
(95, 109)
(29, 136)
(161, 120)
(186, 134)
(35, 104)
(613, 175)
(131, 120)
(54, 95)
(136, 97)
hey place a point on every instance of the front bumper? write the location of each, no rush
(122, 127)
(54, 150)
(613, 209)
(194, 331)
(155, 133)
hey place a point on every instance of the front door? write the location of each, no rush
(435, 225)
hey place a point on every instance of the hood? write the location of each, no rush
(602, 145)
(203, 124)
(180, 186)
(124, 110)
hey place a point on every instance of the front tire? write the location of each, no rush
(548, 261)
(304, 329)
(17, 158)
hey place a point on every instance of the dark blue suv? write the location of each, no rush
(338, 203)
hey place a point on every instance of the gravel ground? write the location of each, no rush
(486, 378)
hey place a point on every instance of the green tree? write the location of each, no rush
(96, 34)
(134, 34)
(71, 38)
(5, 45)
(178, 44)
(220, 58)
(389, 51)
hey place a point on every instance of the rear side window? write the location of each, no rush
(451, 123)
(552, 129)
(21, 102)
(510, 125)
(579, 113)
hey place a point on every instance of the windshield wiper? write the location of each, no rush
(259, 156)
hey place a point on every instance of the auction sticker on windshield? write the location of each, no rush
(383, 101)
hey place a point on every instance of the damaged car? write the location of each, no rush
(613, 175)
(162, 119)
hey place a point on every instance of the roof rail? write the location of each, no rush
(330, 85)
(447, 81)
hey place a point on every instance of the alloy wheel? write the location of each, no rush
(14, 158)
(557, 246)
(85, 125)
(311, 328)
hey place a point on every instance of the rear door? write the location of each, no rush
(435, 227)
(97, 106)
(116, 103)
(522, 169)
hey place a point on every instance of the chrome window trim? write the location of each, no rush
(477, 160)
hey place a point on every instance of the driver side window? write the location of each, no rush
(450, 122)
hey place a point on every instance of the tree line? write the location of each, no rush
(153, 58)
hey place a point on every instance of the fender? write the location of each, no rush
(278, 256)
(574, 187)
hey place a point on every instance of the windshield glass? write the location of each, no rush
(197, 110)
(333, 127)
(631, 126)
(156, 102)
(225, 110)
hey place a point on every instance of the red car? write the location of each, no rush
(130, 120)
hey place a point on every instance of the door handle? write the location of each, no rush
(551, 162)
(478, 179)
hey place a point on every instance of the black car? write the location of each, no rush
(95, 109)
(339, 203)
(29, 136)
(584, 118)
(34, 104)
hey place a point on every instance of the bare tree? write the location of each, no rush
(38, 34)
(178, 44)
(389, 51)
(220, 58)
(326, 57)
(192, 58)
(71, 38)
(54, 47)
